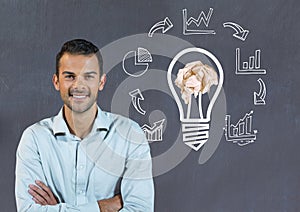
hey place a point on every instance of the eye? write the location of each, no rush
(70, 77)
(89, 77)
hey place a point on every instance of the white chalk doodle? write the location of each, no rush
(154, 133)
(191, 26)
(136, 96)
(240, 33)
(241, 133)
(259, 98)
(164, 25)
(253, 66)
(195, 130)
(142, 57)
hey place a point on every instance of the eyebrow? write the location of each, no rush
(67, 72)
(89, 72)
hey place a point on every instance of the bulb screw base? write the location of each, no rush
(195, 135)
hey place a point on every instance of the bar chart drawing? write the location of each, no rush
(155, 132)
(253, 66)
(242, 132)
(191, 26)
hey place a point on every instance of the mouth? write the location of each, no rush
(78, 97)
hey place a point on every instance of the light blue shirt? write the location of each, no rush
(114, 157)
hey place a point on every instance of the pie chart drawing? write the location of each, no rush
(142, 57)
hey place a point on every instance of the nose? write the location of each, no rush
(78, 83)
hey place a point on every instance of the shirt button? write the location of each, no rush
(81, 191)
(81, 167)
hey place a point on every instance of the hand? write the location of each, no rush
(111, 205)
(42, 195)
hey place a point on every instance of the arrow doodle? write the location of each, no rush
(136, 96)
(259, 98)
(165, 25)
(240, 33)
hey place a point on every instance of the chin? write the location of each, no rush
(79, 108)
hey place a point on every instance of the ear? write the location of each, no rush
(55, 82)
(102, 82)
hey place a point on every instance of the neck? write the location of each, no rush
(80, 124)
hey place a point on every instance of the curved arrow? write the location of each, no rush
(240, 33)
(259, 98)
(165, 25)
(136, 96)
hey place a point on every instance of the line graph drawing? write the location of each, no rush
(253, 66)
(242, 132)
(155, 132)
(191, 25)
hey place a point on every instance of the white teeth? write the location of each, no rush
(78, 97)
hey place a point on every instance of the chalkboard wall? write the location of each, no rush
(261, 174)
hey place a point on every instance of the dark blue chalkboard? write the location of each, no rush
(222, 175)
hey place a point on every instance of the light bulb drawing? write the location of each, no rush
(195, 130)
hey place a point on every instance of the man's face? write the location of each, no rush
(79, 81)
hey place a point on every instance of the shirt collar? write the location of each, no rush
(101, 123)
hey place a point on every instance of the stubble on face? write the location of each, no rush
(75, 100)
(79, 82)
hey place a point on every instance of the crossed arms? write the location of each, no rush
(32, 195)
(42, 195)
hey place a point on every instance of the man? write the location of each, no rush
(83, 159)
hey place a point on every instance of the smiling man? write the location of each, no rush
(83, 159)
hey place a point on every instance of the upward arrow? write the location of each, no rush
(240, 33)
(136, 96)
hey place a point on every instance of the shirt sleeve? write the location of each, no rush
(28, 169)
(137, 187)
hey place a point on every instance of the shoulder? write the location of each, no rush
(41, 128)
(33, 133)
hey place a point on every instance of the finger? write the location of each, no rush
(51, 199)
(36, 201)
(40, 191)
(45, 188)
(39, 199)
